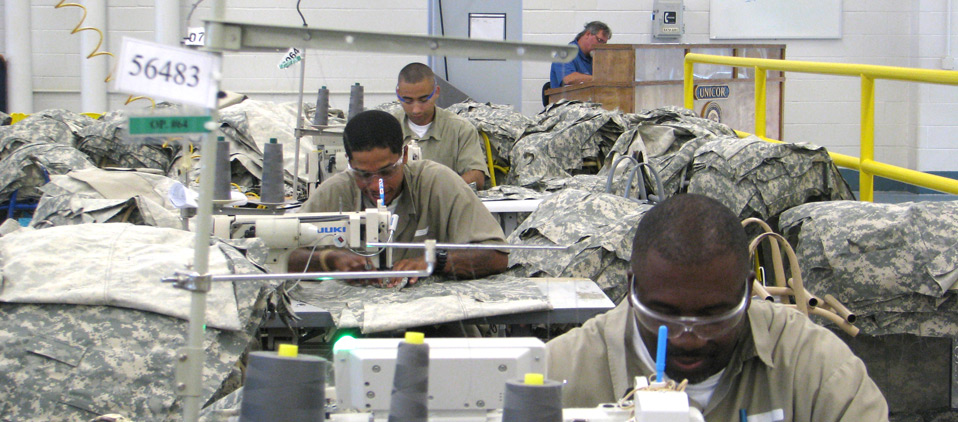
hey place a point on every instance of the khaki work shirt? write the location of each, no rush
(451, 141)
(788, 366)
(435, 204)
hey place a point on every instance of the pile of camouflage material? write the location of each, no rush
(895, 265)
(678, 151)
(87, 328)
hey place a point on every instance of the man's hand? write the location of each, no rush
(411, 264)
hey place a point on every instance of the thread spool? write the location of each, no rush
(355, 100)
(532, 402)
(409, 399)
(321, 117)
(222, 174)
(287, 388)
(272, 187)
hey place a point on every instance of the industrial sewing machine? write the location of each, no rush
(285, 233)
(466, 383)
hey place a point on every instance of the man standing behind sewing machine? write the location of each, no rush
(443, 136)
(432, 202)
(691, 272)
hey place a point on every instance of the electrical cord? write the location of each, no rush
(96, 50)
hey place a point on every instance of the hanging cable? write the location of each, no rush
(96, 50)
(189, 16)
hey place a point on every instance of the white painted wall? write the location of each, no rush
(915, 127)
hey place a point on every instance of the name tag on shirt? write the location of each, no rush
(773, 416)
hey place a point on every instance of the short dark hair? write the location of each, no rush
(416, 72)
(372, 129)
(690, 229)
(594, 28)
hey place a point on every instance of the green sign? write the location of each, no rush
(162, 125)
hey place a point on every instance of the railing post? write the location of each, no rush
(866, 185)
(689, 86)
(760, 101)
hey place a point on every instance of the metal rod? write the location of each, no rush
(246, 36)
(334, 275)
(461, 246)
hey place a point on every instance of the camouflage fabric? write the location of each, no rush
(376, 309)
(500, 122)
(560, 137)
(755, 178)
(892, 264)
(5, 119)
(249, 125)
(108, 144)
(597, 228)
(48, 126)
(69, 362)
(226, 409)
(29, 166)
(110, 264)
(666, 138)
(95, 195)
(509, 192)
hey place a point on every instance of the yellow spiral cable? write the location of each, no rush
(96, 50)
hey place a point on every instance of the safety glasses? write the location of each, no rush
(705, 327)
(367, 176)
(421, 100)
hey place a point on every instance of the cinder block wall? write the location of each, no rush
(914, 123)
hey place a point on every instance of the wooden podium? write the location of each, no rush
(632, 77)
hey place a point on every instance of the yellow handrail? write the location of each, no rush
(865, 164)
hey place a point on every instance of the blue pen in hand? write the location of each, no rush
(660, 353)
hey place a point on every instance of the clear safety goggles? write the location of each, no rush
(705, 327)
(421, 100)
(367, 176)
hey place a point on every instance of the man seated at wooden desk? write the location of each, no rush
(579, 70)
(691, 273)
(431, 200)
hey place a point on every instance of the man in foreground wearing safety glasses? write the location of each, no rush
(443, 136)
(691, 273)
(432, 202)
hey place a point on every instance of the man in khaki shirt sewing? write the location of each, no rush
(691, 273)
(443, 136)
(432, 202)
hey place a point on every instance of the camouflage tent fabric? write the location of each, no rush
(597, 228)
(509, 192)
(892, 264)
(52, 126)
(500, 122)
(75, 362)
(110, 264)
(755, 178)
(560, 137)
(30, 165)
(251, 124)
(97, 195)
(376, 309)
(108, 143)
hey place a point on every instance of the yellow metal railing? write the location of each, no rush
(865, 164)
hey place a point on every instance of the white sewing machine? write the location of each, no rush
(467, 378)
(285, 233)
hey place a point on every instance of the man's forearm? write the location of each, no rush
(576, 78)
(475, 263)
(476, 176)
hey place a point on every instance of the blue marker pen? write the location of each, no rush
(660, 353)
(382, 193)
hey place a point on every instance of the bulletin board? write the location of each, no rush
(775, 19)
